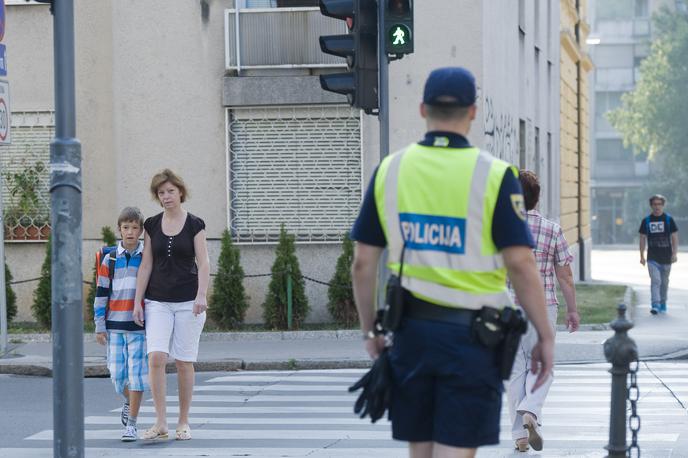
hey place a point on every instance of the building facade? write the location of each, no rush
(229, 96)
(623, 31)
(575, 140)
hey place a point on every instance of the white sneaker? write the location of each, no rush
(129, 434)
(124, 417)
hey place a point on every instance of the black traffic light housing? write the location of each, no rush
(360, 83)
(398, 26)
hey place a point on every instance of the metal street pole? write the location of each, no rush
(67, 301)
(383, 84)
(3, 297)
(383, 118)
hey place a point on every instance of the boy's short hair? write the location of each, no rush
(658, 197)
(130, 214)
(168, 176)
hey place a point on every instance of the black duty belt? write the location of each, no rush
(419, 309)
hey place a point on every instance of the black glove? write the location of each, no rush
(376, 383)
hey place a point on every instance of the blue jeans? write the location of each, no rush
(659, 281)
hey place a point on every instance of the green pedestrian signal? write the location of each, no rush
(398, 27)
(399, 35)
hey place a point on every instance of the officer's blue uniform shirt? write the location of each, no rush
(509, 227)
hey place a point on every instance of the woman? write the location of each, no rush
(173, 279)
(554, 259)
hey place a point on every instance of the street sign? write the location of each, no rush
(2, 19)
(3, 59)
(4, 113)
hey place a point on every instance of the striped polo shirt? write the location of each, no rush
(113, 310)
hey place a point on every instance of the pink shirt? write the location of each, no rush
(550, 249)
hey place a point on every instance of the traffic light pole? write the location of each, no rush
(383, 118)
(383, 84)
(67, 301)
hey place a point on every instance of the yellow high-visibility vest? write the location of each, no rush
(439, 202)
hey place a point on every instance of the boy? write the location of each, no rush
(659, 232)
(113, 306)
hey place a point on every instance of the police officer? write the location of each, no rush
(455, 216)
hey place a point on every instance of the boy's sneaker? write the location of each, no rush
(655, 309)
(129, 434)
(124, 417)
(662, 307)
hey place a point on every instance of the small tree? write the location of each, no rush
(42, 297)
(10, 295)
(229, 302)
(275, 305)
(341, 294)
(109, 239)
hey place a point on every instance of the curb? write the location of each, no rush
(224, 365)
(340, 334)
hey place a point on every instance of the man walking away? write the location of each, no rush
(660, 232)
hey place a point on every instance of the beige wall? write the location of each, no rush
(575, 213)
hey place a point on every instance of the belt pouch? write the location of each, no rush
(394, 304)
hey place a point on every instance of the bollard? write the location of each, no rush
(621, 351)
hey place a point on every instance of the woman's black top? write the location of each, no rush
(174, 277)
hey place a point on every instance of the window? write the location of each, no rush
(605, 102)
(521, 144)
(297, 166)
(26, 176)
(613, 150)
(614, 56)
(522, 16)
(615, 9)
(641, 9)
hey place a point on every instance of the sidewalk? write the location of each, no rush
(657, 337)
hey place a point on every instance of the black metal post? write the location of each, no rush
(65, 190)
(620, 350)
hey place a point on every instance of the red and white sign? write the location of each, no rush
(4, 113)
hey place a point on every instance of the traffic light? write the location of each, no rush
(359, 47)
(398, 26)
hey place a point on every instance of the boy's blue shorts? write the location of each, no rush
(127, 360)
(446, 389)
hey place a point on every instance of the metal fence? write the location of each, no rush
(26, 176)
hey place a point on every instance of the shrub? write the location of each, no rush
(109, 239)
(42, 296)
(275, 305)
(10, 295)
(228, 302)
(341, 303)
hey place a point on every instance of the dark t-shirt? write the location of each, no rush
(659, 237)
(174, 277)
(509, 227)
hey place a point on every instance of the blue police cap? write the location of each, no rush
(454, 86)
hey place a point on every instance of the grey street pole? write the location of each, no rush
(3, 296)
(383, 84)
(383, 118)
(67, 301)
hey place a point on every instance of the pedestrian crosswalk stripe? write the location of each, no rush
(350, 434)
(310, 413)
(275, 387)
(234, 420)
(292, 378)
(350, 398)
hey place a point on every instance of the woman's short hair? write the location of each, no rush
(531, 188)
(130, 215)
(168, 176)
(658, 197)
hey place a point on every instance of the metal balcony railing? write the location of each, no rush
(262, 38)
